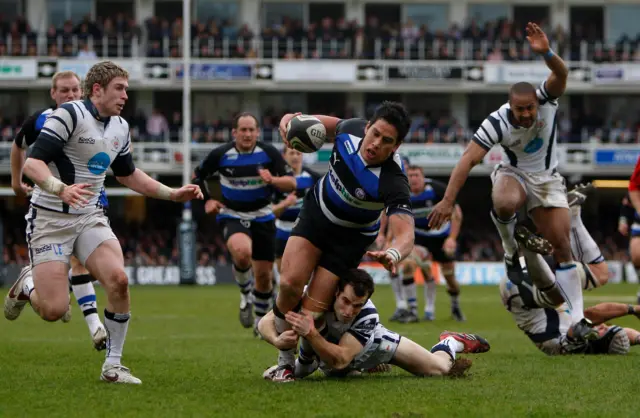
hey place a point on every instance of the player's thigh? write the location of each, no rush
(634, 250)
(554, 224)
(417, 360)
(299, 260)
(320, 292)
(106, 264)
(508, 193)
(51, 281)
(237, 236)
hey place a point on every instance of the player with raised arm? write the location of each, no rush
(288, 205)
(526, 129)
(441, 243)
(249, 171)
(77, 144)
(65, 87)
(353, 339)
(634, 213)
(341, 218)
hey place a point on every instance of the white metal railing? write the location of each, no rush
(358, 47)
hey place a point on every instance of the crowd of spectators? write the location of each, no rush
(334, 38)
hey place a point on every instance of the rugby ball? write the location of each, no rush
(306, 133)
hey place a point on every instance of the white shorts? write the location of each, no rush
(55, 236)
(543, 189)
(379, 350)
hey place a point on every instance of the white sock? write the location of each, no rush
(85, 294)
(457, 346)
(27, 285)
(450, 346)
(430, 296)
(583, 246)
(570, 283)
(506, 229)
(410, 292)
(116, 325)
(396, 286)
(245, 282)
(285, 357)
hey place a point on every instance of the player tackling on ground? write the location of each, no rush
(78, 143)
(249, 171)
(526, 129)
(353, 339)
(340, 219)
(65, 88)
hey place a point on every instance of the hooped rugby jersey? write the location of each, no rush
(531, 149)
(423, 203)
(244, 194)
(304, 183)
(362, 327)
(79, 146)
(353, 194)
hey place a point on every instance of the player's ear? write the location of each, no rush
(366, 127)
(51, 92)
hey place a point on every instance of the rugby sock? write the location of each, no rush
(570, 283)
(589, 281)
(116, 325)
(85, 294)
(450, 346)
(506, 229)
(583, 246)
(285, 357)
(306, 354)
(28, 286)
(411, 293)
(455, 298)
(245, 282)
(261, 301)
(396, 286)
(430, 296)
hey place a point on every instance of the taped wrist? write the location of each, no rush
(53, 185)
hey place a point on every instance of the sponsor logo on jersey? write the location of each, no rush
(360, 194)
(89, 141)
(348, 146)
(533, 145)
(115, 145)
(342, 190)
(99, 163)
(245, 182)
(56, 248)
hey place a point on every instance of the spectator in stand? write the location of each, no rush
(157, 126)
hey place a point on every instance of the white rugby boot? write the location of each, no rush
(99, 338)
(15, 300)
(117, 373)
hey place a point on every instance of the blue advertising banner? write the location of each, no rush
(617, 156)
(216, 72)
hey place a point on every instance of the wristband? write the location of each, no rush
(549, 54)
(393, 253)
(164, 192)
(631, 310)
(53, 185)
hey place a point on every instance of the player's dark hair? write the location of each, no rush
(396, 114)
(244, 115)
(360, 281)
(522, 89)
(415, 167)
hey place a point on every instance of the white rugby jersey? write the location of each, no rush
(90, 144)
(532, 149)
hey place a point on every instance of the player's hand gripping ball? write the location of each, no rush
(306, 133)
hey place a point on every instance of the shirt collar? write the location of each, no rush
(94, 112)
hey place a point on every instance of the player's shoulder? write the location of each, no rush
(119, 120)
(354, 126)
(368, 313)
(544, 98)
(393, 166)
(266, 147)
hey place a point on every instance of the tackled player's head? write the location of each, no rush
(384, 132)
(246, 130)
(106, 86)
(293, 158)
(65, 87)
(355, 287)
(416, 178)
(523, 101)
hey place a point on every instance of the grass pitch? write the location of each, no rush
(187, 346)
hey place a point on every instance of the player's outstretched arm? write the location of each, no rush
(17, 164)
(140, 182)
(472, 156)
(402, 229)
(557, 81)
(336, 356)
(604, 312)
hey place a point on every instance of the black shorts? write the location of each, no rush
(342, 248)
(262, 234)
(434, 245)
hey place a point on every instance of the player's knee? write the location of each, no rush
(242, 259)
(291, 287)
(505, 209)
(408, 267)
(118, 283)
(55, 311)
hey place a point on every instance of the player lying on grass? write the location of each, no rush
(536, 303)
(353, 339)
